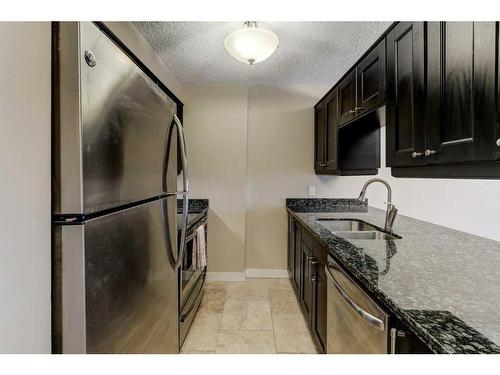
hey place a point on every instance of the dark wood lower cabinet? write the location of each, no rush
(297, 252)
(306, 268)
(319, 317)
(309, 279)
(291, 246)
(307, 282)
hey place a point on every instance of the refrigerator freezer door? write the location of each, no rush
(115, 131)
(119, 289)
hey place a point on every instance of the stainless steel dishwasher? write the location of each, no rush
(355, 323)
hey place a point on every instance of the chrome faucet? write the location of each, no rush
(391, 212)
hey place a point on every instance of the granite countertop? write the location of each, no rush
(443, 283)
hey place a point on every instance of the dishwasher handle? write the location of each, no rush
(369, 318)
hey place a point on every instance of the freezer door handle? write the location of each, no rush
(184, 192)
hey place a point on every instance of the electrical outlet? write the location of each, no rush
(312, 191)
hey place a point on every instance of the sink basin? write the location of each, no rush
(340, 225)
(355, 229)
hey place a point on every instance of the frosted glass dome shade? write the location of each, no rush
(251, 44)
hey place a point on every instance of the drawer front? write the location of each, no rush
(188, 312)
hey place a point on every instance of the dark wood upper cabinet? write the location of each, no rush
(363, 89)
(497, 126)
(441, 86)
(371, 80)
(331, 118)
(319, 138)
(405, 110)
(347, 98)
(359, 92)
(461, 92)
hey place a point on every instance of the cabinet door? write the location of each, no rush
(497, 135)
(291, 246)
(461, 91)
(320, 301)
(297, 264)
(347, 98)
(405, 110)
(307, 284)
(331, 109)
(319, 138)
(370, 80)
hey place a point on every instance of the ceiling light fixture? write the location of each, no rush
(251, 44)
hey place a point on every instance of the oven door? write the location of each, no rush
(189, 275)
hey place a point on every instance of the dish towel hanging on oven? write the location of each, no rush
(201, 248)
(194, 255)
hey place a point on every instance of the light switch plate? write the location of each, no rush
(312, 191)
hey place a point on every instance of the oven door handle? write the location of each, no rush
(369, 318)
(184, 315)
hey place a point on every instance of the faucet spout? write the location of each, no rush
(392, 211)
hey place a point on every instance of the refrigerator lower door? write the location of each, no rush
(115, 139)
(118, 289)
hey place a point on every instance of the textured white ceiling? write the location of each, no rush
(309, 53)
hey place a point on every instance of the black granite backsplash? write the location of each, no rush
(326, 204)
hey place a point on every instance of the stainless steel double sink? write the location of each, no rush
(354, 229)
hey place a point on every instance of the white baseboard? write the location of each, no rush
(249, 272)
(267, 273)
(225, 276)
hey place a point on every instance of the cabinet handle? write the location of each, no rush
(417, 154)
(309, 260)
(358, 109)
(313, 263)
(498, 142)
(394, 335)
(430, 152)
(352, 112)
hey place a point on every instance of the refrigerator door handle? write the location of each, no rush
(184, 192)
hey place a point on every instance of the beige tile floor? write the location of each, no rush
(253, 316)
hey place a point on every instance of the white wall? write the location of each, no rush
(280, 162)
(25, 253)
(215, 118)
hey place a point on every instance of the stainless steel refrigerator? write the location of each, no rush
(115, 252)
